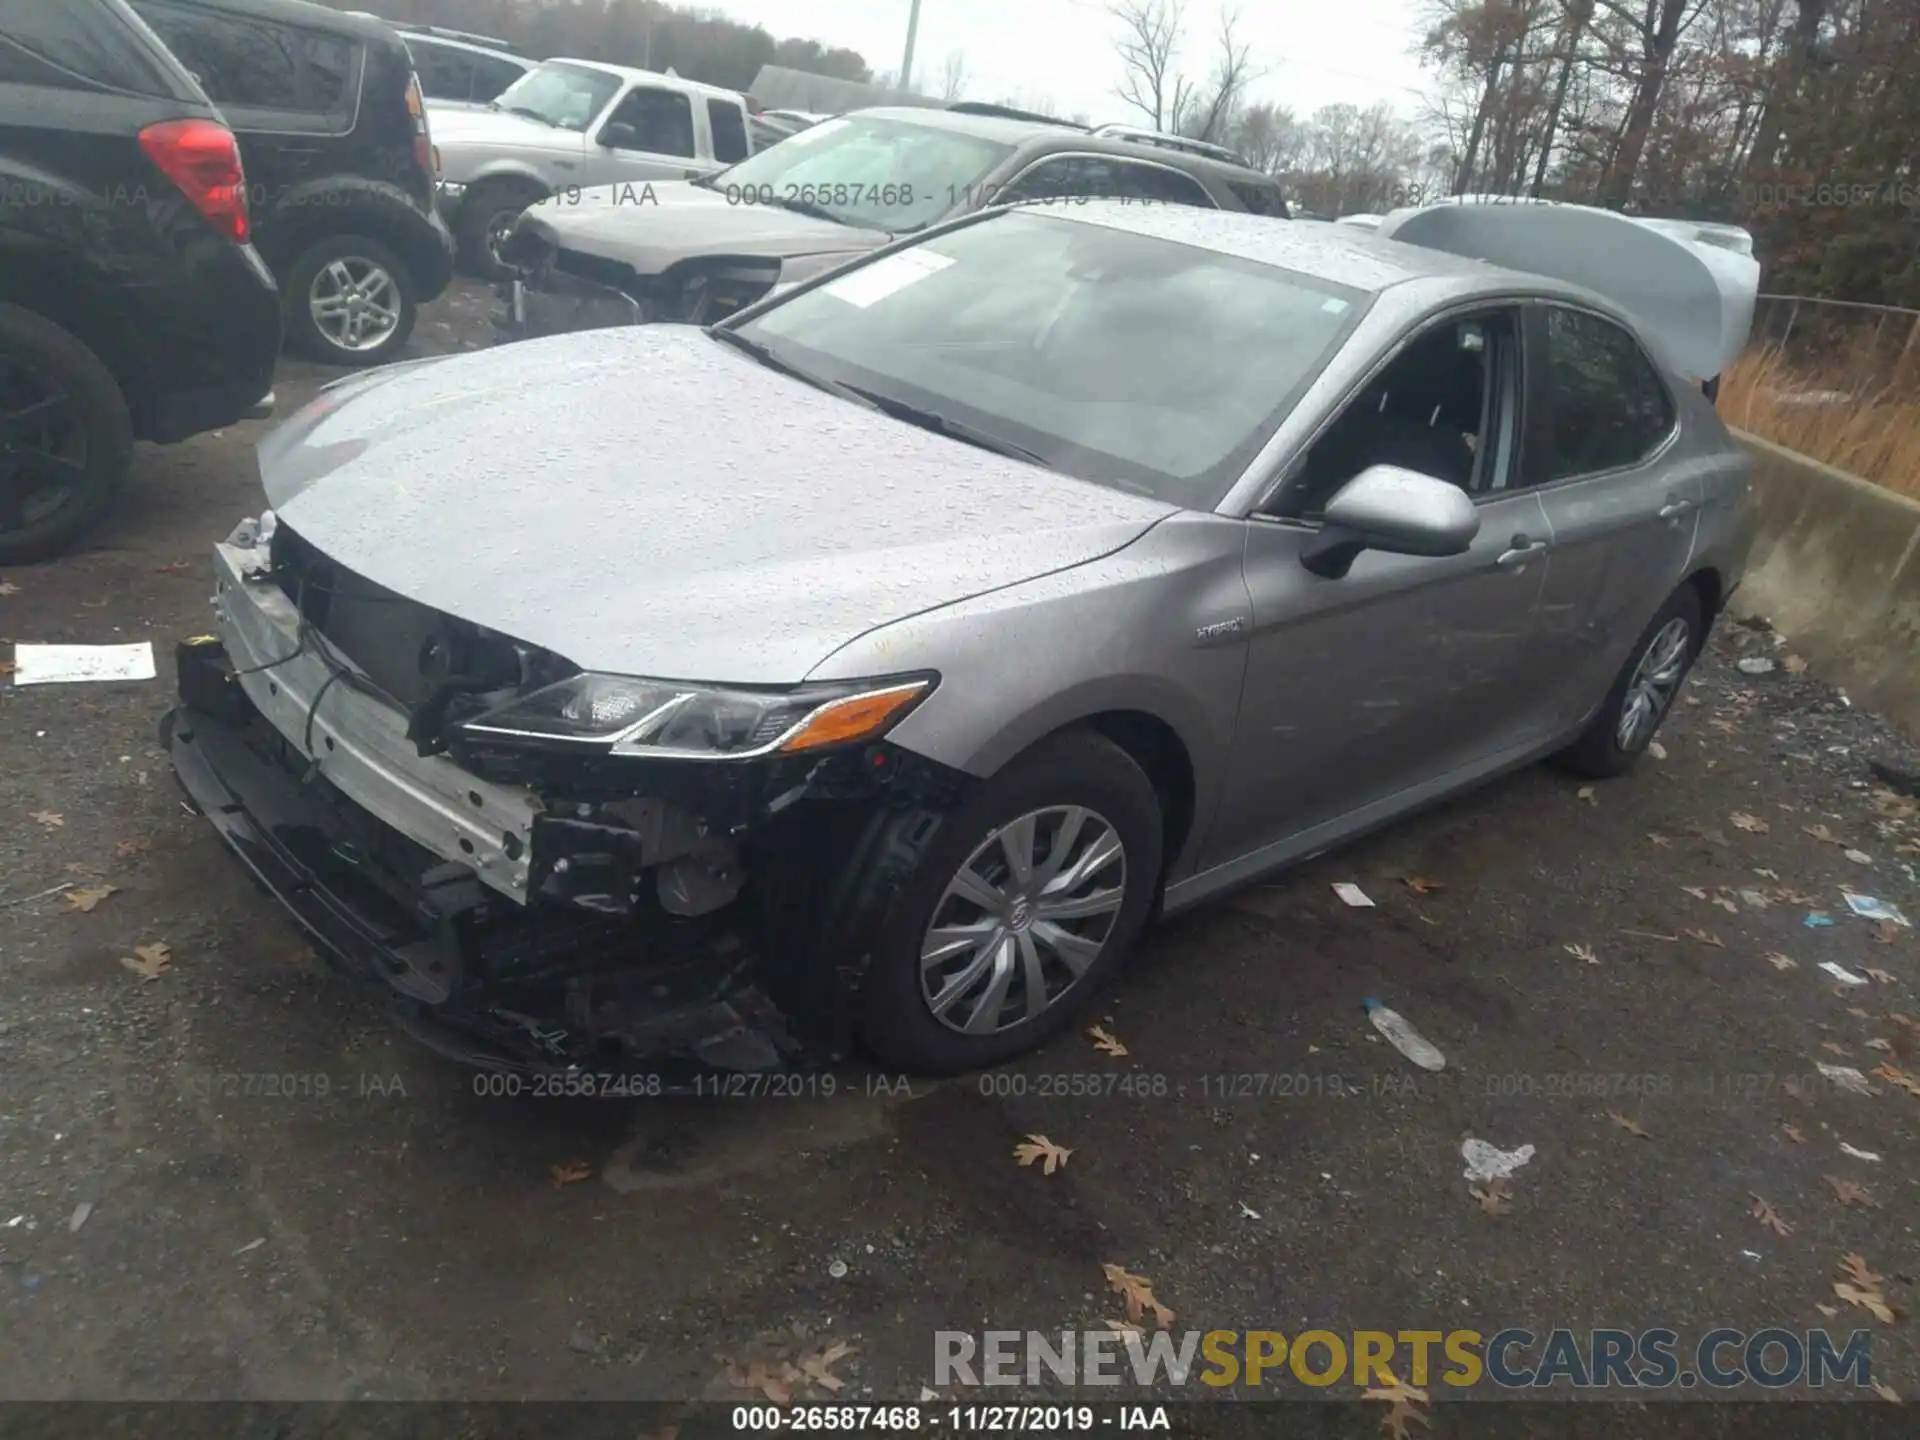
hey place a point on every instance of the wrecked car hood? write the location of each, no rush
(646, 501)
(651, 225)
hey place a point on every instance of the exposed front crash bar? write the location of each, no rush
(359, 742)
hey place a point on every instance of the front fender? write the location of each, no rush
(497, 167)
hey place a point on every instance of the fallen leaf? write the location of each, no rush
(1632, 1127)
(1885, 931)
(7, 587)
(819, 1368)
(1769, 1217)
(1862, 1288)
(1785, 896)
(1405, 1406)
(1137, 1291)
(1104, 1041)
(1661, 840)
(1583, 952)
(52, 819)
(1752, 824)
(178, 567)
(1725, 902)
(1657, 750)
(1859, 857)
(85, 899)
(1898, 1077)
(1793, 664)
(1585, 792)
(572, 1171)
(1822, 833)
(1127, 1327)
(1705, 937)
(1039, 1148)
(1781, 962)
(1828, 1310)
(128, 848)
(149, 962)
(7, 667)
(1421, 885)
(1858, 1013)
(1883, 977)
(1834, 1046)
(1851, 1194)
(1886, 1391)
(1794, 1133)
(775, 1384)
(1695, 891)
(1886, 1046)
(1496, 1199)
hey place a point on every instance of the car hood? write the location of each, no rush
(479, 126)
(651, 225)
(646, 501)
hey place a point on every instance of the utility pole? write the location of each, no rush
(906, 61)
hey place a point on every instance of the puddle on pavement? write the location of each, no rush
(678, 1144)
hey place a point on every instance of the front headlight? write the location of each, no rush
(621, 715)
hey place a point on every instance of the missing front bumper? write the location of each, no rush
(538, 989)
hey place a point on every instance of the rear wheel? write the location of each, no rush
(1021, 911)
(1643, 692)
(349, 301)
(65, 437)
(487, 215)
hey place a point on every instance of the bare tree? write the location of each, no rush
(1269, 138)
(954, 76)
(1149, 47)
(1208, 112)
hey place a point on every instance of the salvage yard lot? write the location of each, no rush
(234, 1179)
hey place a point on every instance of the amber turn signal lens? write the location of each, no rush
(854, 718)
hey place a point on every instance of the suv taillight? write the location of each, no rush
(424, 155)
(202, 158)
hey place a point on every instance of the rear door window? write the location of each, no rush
(1606, 407)
(1259, 199)
(491, 76)
(1159, 183)
(729, 124)
(79, 44)
(445, 73)
(257, 64)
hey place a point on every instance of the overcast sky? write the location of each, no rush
(1313, 52)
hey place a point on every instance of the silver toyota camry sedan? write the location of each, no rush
(868, 670)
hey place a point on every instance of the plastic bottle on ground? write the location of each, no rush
(1407, 1040)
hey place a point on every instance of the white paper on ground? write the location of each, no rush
(52, 664)
(1353, 895)
(882, 278)
(1874, 909)
(1842, 974)
(1489, 1162)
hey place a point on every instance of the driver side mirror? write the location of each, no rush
(616, 135)
(1398, 511)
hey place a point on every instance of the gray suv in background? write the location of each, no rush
(699, 250)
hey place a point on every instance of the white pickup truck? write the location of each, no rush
(566, 124)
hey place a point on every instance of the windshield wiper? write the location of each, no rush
(946, 425)
(807, 207)
(530, 114)
(765, 355)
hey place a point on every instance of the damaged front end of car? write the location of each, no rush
(557, 291)
(547, 869)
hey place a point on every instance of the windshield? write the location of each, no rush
(1119, 358)
(564, 96)
(890, 175)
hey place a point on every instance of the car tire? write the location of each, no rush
(1073, 773)
(83, 450)
(334, 269)
(481, 212)
(1656, 669)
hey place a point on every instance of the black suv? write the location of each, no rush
(131, 305)
(340, 166)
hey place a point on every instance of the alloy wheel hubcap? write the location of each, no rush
(1023, 920)
(43, 446)
(1656, 680)
(354, 302)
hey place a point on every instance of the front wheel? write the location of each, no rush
(1024, 907)
(349, 301)
(65, 437)
(1643, 692)
(488, 214)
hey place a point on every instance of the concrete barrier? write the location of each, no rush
(1836, 568)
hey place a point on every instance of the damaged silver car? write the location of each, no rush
(868, 669)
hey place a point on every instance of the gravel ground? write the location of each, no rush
(1595, 963)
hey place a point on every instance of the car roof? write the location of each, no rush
(649, 77)
(1338, 254)
(492, 52)
(312, 17)
(1041, 136)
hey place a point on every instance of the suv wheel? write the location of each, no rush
(1019, 913)
(65, 437)
(349, 301)
(486, 216)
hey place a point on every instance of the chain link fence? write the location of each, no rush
(1857, 348)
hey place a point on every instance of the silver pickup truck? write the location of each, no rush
(572, 123)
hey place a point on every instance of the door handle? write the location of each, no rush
(1675, 508)
(1521, 551)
